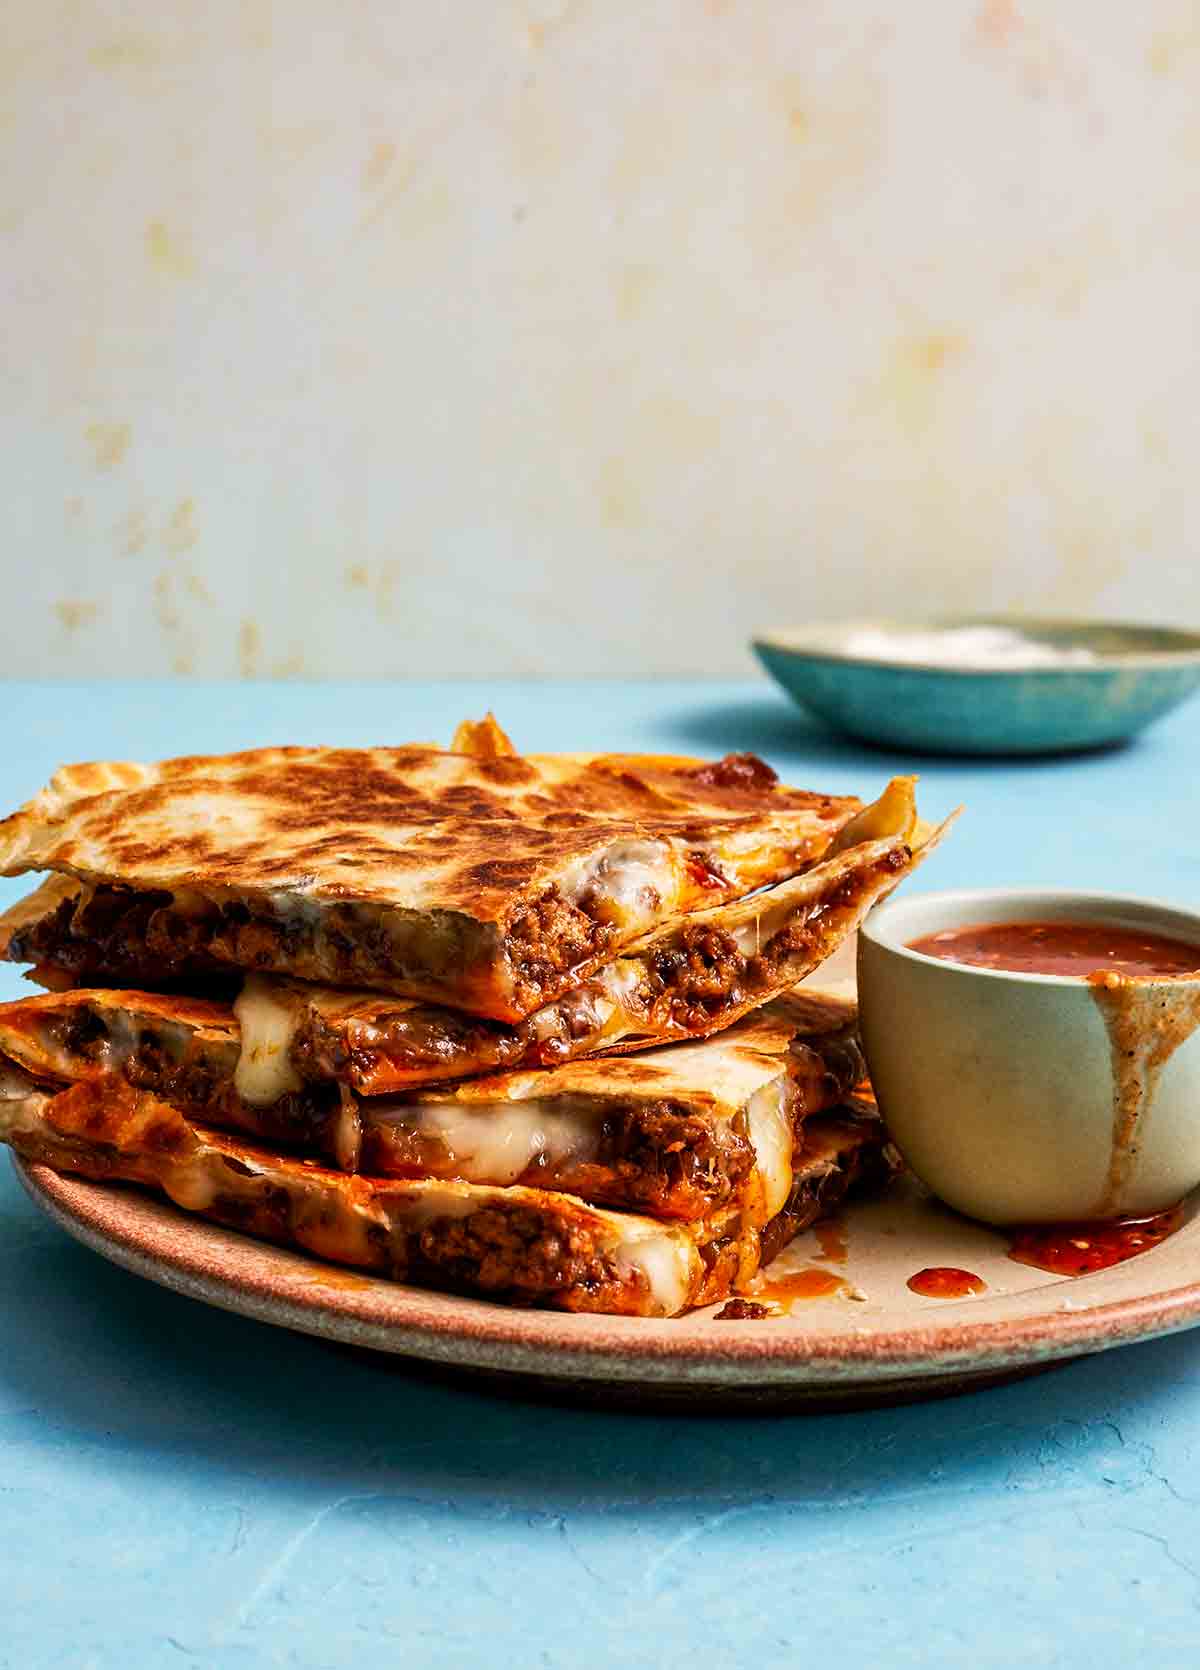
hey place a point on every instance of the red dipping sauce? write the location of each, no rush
(1081, 1249)
(1074, 948)
(946, 1281)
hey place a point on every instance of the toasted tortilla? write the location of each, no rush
(181, 1048)
(479, 879)
(683, 980)
(677, 1133)
(521, 1245)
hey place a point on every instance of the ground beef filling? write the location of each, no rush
(500, 1248)
(116, 934)
(696, 980)
(546, 940)
(100, 942)
(655, 1157)
(199, 1082)
(703, 974)
(435, 1042)
(743, 1310)
(418, 1041)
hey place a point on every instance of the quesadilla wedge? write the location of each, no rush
(182, 1049)
(480, 879)
(681, 983)
(522, 1245)
(681, 1133)
(677, 1133)
(684, 982)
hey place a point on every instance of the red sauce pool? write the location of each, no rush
(943, 1281)
(1080, 1249)
(804, 1284)
(1078, 948)
(782, 1292)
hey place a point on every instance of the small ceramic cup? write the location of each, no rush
(1027, 1098)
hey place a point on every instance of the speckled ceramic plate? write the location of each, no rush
(869, 1340)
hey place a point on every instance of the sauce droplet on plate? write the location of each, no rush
(944, 1281)
(803, 1284)
(781, 1292)
(1080, 1249)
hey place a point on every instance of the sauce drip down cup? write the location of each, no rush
(1031, 1098)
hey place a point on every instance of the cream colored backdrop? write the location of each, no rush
(582, 338)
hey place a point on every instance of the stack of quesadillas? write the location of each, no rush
(520, 1027)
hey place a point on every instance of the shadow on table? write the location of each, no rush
(761, 725)
(105, 1358)
(769, 726)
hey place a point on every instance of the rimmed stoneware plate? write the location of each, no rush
(871, 1340)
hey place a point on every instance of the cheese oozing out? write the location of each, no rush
(268, 1025)
(769, 1120)
(269, 1016)
(602, 1005)
(668, 1262)
(631, 885)
(770, 918)
(495, 1142)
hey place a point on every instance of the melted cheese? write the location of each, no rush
(334, 1227)
(620, 983)
(632, 885)
(295, 907)
(15, 1086)
(347, 1132)
(769, 1119)
(749, 937)
(668, 1261)
(45, 1050)
(495, 1142)
(607, 1002)
(191, 1187)
(427, 1201)
(268, 1023)
(770, 917)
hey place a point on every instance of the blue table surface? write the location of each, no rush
(182, 1486)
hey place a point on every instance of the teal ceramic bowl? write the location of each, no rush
(951, 706)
